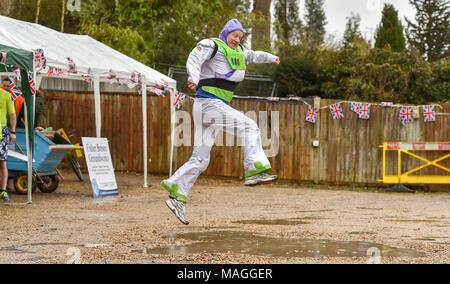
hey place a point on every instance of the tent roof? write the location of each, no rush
(85, 52)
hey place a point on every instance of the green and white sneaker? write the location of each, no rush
(261, 178)
(179, 209)
(4, 195)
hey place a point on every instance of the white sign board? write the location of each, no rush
(100, 167)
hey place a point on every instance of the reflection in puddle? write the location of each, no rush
(248, 243)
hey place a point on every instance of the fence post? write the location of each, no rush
(315, 151)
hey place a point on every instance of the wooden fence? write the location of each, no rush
(348, 151)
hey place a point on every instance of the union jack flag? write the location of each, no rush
(336, 111)
(179, 98)
(32, 85)
(156, 91)
(72, 66)
(406, 115)
(15, 91)
(294, 99)
(17, 73)
(111, 76)
(355, 107)
(273, 99)
(3, 56)
(312, 114)
(88, 77)
(429, 114)
(387, 104)
(39, 58)
(55, 72)
(131, 85)
(364, 111)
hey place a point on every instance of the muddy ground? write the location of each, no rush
(230, 223)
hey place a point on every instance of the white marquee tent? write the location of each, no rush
(87, 54)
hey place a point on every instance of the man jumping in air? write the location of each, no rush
(215, 68)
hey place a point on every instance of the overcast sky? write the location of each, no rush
(369, 10)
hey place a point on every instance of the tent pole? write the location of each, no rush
(144, 124)
(172, 127)
(29, 156)
(98, 116)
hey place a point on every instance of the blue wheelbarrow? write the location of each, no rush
(47, 156)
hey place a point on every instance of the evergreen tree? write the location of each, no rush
(430, 33)
(288, 23)
(352, 32)
(315, 22)
(390, 30)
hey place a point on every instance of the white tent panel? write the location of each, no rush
(85, 52)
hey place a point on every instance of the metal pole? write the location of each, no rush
(98, 116)
(144, 123)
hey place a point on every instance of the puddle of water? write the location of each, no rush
(362, 233)
(313, 211)
(284, 222)
(414, 221)
(14, 250)
(248, 243)
(367, 208)
(37, 258)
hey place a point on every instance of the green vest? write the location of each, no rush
(220, 87)
(235, 57)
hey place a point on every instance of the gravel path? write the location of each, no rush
(70, 226)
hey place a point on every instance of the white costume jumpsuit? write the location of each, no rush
(212, 115)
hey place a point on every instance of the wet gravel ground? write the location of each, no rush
(69, 226)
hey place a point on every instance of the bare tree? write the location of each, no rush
(38, 8)
(63, 4)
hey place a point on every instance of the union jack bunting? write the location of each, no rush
(406, 115)
(88, 77)
(179, 98)
(156, 91)
(15, 91)
(253, 97)
(111, 76)
(312, 114)
(39, 58)
(355, 107)
(17, 73)
(429, 114)
(336, 111)
(387, 104)
(31, 82)
(3, 56)
(72, 66)
(294, 99)
(139, 78)
(273, 99)
(131, 85)
(364, 111)
(55, 72)
(139, 88)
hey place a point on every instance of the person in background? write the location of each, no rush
(39, 118)
(5, 84)
(6, 108)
